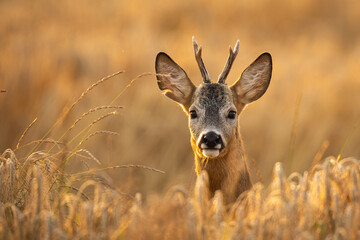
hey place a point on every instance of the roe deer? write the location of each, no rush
(213, 110)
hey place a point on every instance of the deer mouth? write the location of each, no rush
(211, 152)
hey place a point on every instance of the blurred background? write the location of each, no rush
(51, 51)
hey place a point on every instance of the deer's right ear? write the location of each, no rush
(173, 80)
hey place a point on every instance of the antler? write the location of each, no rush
(232, 56)
(200, 62)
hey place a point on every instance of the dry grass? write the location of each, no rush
(323, 203)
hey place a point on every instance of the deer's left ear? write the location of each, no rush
(254, 81)
(173, 80)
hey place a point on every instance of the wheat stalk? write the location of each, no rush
(119, 166)
(88, 112)
(100, 132)
(24, 133)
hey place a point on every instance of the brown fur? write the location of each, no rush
(228, 172)
(211, 103)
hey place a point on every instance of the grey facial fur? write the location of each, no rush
(212, 103)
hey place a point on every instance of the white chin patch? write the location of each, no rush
(210, 152)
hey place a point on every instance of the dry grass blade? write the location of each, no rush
(82, 141)
(24, 133)
(106, 115)
(121, 166)
(90, 125)
(102, 117)
(218, 206)
(97, 120)
(136, 213)
(129, 85)
(90, 154)
(42, 141)
(257, 171)
(83, 94)
(84, 115)
(201, 202)
(91, 111)
(279, 181)
(101, 132)
(76, 190)
(112, 113)
(319, 154)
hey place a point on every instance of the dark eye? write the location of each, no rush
(193, 114)
(232, 115)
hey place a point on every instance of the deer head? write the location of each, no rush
(213, 108)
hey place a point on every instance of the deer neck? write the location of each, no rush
(228, 172)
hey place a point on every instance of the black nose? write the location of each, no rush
(211, 139)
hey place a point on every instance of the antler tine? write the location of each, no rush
(200, 62)
(232, 56)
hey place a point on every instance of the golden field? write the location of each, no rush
(114, 137)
